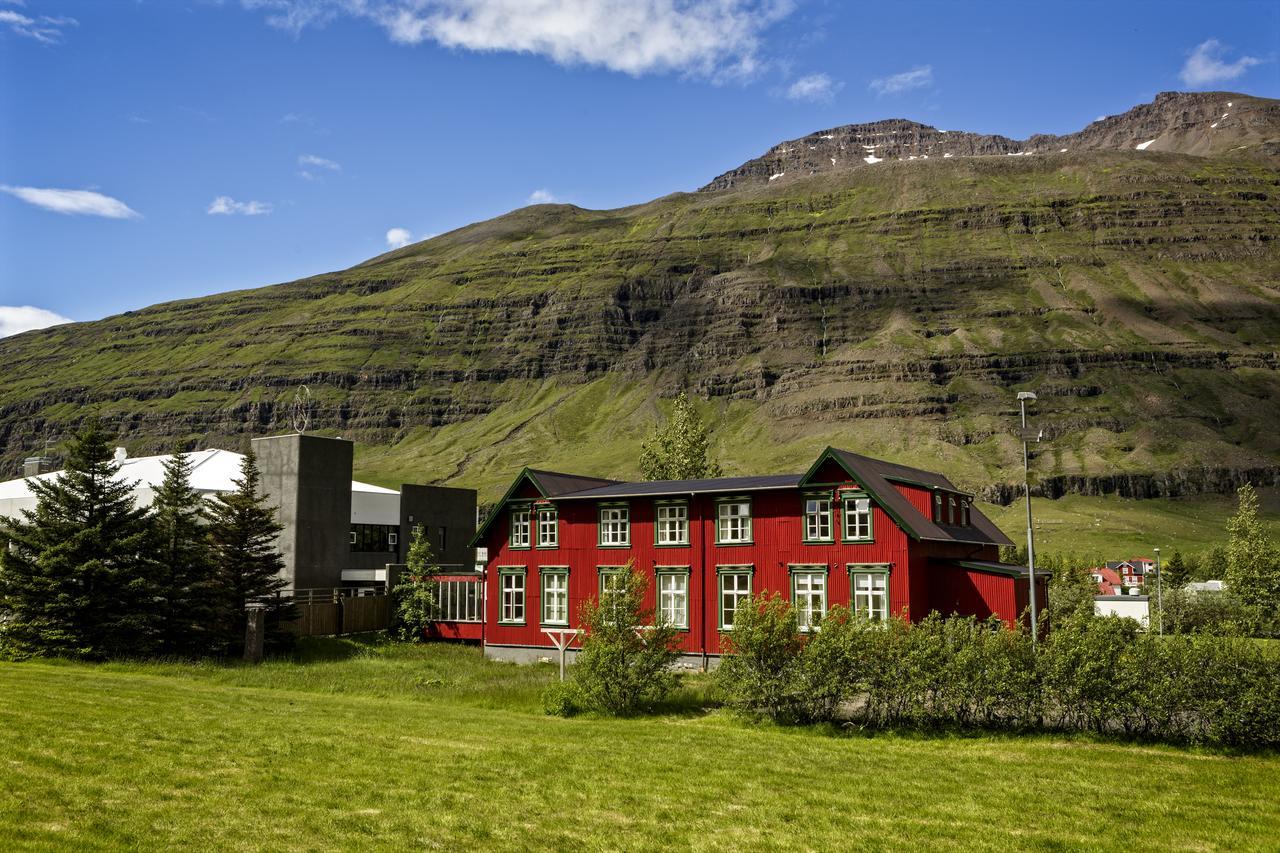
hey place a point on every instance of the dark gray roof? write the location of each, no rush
(874, 475)
(995, 568)
(657, 488)
(554, 484)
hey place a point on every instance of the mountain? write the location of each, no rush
(893, 308)
(1204, 123)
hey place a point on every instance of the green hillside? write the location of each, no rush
(893, 310)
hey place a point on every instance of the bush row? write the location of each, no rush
(1090, 674)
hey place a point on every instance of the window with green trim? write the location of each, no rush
(548, 528)
(612, 583)
(520, 528)
(857, 518)
(671, 524)
(870, 593)
(817, 519)
(733, 522)
(809, 595)
(673, 596)
(735, 588)
(511, 604)
(555, 596)
(615, 526)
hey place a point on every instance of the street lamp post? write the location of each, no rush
(1023, 397)
(1159, 596)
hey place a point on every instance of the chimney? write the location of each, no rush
(33, 466)
(121, 454)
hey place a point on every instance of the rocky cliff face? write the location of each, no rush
(1200, 123)
(889, 309)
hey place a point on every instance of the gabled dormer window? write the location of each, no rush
(548, 527)
(520, 527)
(857, 518)
(817, 519)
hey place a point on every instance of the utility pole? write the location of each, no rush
(1023, 397)
(1159, 596)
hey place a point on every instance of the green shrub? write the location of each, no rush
(560, 699)
(760, 674)
(625, 665)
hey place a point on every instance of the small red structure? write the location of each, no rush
(1108, 580)
(878, 537)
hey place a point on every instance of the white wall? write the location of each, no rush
(1128, 606)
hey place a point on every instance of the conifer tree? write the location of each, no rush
(1253, 557)
(415, 592)
(76, 578)
(1177, 571)
(246, 561)
(191, 607)
(678, 449)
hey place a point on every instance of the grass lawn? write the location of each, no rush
(377, 745)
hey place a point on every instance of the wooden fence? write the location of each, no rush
(333, 612)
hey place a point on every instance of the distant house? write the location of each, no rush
(1108, 580)
(877, 537)
(1133, 571)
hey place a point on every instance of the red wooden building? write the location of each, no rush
(879, 537)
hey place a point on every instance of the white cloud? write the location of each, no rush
(398, 237)
(815, 87)
(714, 38)
(1206, 65)
(73, 202)
(319, 162)
(225, 205)
(23, 318)
(542, 196)
(907, 80)
(43, 28)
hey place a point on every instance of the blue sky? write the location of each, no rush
(159, 149)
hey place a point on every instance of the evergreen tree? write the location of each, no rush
(246, 562)
(191, 607)
(1177, 571)
(1253, 558)
(76, 578)
(678, 449)
(415, 593)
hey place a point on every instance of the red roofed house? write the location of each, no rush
(1108, 580)
(879, 537)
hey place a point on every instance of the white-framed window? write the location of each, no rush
(615, 525)
(673, 597)
(511, 603)
(735, 588)
(809, 595)
(613, 580)
(520, 528)
(817, 519)
(857, 519)
(870, 593)
(965, 507)
(548, 528)
(733, 522)
(952, 515)
(672, 524)
(937, 507)
(555, 596)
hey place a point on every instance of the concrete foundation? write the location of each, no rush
(549, 654)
